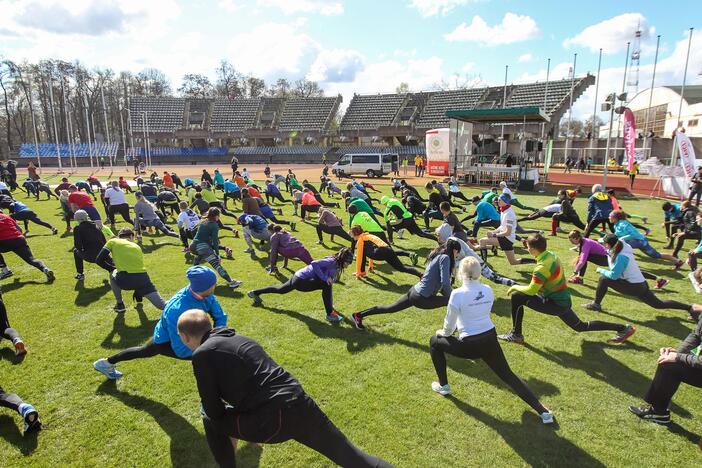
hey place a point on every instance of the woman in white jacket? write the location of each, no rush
(469, 312)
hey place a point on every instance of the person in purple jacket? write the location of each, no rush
(593, 252)
(287, 246)
(318, 275)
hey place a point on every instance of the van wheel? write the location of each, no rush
(370, 173)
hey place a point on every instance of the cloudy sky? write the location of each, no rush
(363, 46)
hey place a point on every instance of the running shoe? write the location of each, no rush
(512, 338)
(49, 275)
(228, 252)
(593, 306)
(234, 284)
(401, 234)
(54, 231)
(80, 276)
(120, 308)
(320, 242)
(256, 298)
(623, 335)
(249, 251)
(20, 348)
(358, 321)
(414, 258)
(109, 370)
(574, 249)
(647, 231)
(547, 417)
(334, 317)
(31, 419)
(293, 226)
(272, 271)
(661, 282)
(678, 265)
(575, 280)
(645, 220)
(647, 413)
(442, 390)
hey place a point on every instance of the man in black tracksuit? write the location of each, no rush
(246, 395)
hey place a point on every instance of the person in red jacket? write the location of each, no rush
(309, 203)
(12, 240)
(78, 200)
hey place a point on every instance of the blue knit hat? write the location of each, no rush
(201, 278)
(506, 198)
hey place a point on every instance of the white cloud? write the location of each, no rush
(435, 7)
(612, 34)
(513, 28)
(291, 7)
(336, 66)
(230, 6)
(525, 58)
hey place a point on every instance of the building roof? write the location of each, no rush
(514, 115)
(693, 93)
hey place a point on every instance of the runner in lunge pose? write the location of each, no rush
(373, 248)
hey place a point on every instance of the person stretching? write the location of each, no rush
(21, 212)
(624, 276)
(330, 223)
(12, 240)
(145, 217)
(599, 206)
(566, 215)
(88, 240)
(367, 222)
(197, 295)
(505, 235)
(485, 215)
(548, 293)
(425, 294)
(117, 203)
(255, 227)
(287, 246)
(397, 218)
(129, 273)
(310, 204)
(626, 232)
(373, 248)
(593, 252)
(318, 275)
(29, 414)
(547, 211)
(188, 222)
(273, 193)
(206, 246)
(246, 395)
(505, 189)
(468, 312)
(675, 366)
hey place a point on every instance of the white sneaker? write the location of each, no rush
(694, 282)
(109, 370)
(441, 389)
(547, 417)
(234, 284)
(401, 233)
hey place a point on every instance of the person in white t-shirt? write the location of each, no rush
(546, 212)
(468, 312)
(505, 235)
(506, 190)
(117, 203)
(188, 221)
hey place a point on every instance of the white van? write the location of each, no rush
(370, 164)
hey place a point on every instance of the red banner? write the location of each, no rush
(629, 137)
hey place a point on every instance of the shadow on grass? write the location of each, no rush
(87, 296)
(17, 284)
(536, 443)
(10, 432)
(600, 366)
(129, 336)
(680, 431)
(188, 446)
(153, 246)
(8, 354)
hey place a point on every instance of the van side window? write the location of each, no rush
(365, 159)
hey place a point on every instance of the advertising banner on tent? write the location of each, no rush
(547, 158)
(629, 137)
(687, 154)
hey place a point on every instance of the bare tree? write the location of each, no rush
(228, 84)
(306, 88)
(196, 86)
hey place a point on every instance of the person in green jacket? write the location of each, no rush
(361, 206)
(368, 223)
(206, 246)
(398, 218)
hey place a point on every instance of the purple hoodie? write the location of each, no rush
(587, 248)
(323, 269)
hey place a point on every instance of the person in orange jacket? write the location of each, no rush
(373, 248)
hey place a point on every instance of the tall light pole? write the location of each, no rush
(610, 105)
(673, 155)
(594, 111)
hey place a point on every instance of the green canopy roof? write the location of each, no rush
(507, 115)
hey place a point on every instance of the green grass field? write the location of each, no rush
(374, 385)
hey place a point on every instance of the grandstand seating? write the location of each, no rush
(308, 114)
(235, 115)
(533, 94)
(434, 114)
(158, 151)
(49, 150)
(368, 112)
(163, 114)
(271, 109)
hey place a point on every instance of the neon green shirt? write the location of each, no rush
(127, 256)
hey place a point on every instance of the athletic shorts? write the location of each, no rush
(140, 283)
(505, 244)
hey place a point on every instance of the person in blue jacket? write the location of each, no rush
(21, 212)
(485, 215)
(599, 206)
(626, 232)
(673, 221)
(199, 294)
(231, 190)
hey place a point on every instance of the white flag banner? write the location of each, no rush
(687, 154)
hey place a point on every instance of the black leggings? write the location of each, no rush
(304, 209)
(149, 349)
(122, 209)
(486, 347)
(532, 216)
(10, 400)
(593, 223)
(333, 231)
(665, 383)
(79, 256)
(21, 248)
(458, 195)
(412, 227)
(301, 420)
(549, 307)
(27, 216)
(486, 223)
(278, 196)
(681, 240)
(409, 299)
(186, 235)
(6, 331)
(639, 290)
(386, 254)
(559, 218)
(302, 285)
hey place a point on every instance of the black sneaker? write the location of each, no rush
(647, 413)
(50, 277)
(80, 276)
(512, 338)
(358, 321)
(593, 306)
(119, 308)
(31, 422)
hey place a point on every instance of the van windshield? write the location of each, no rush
(344, 160)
